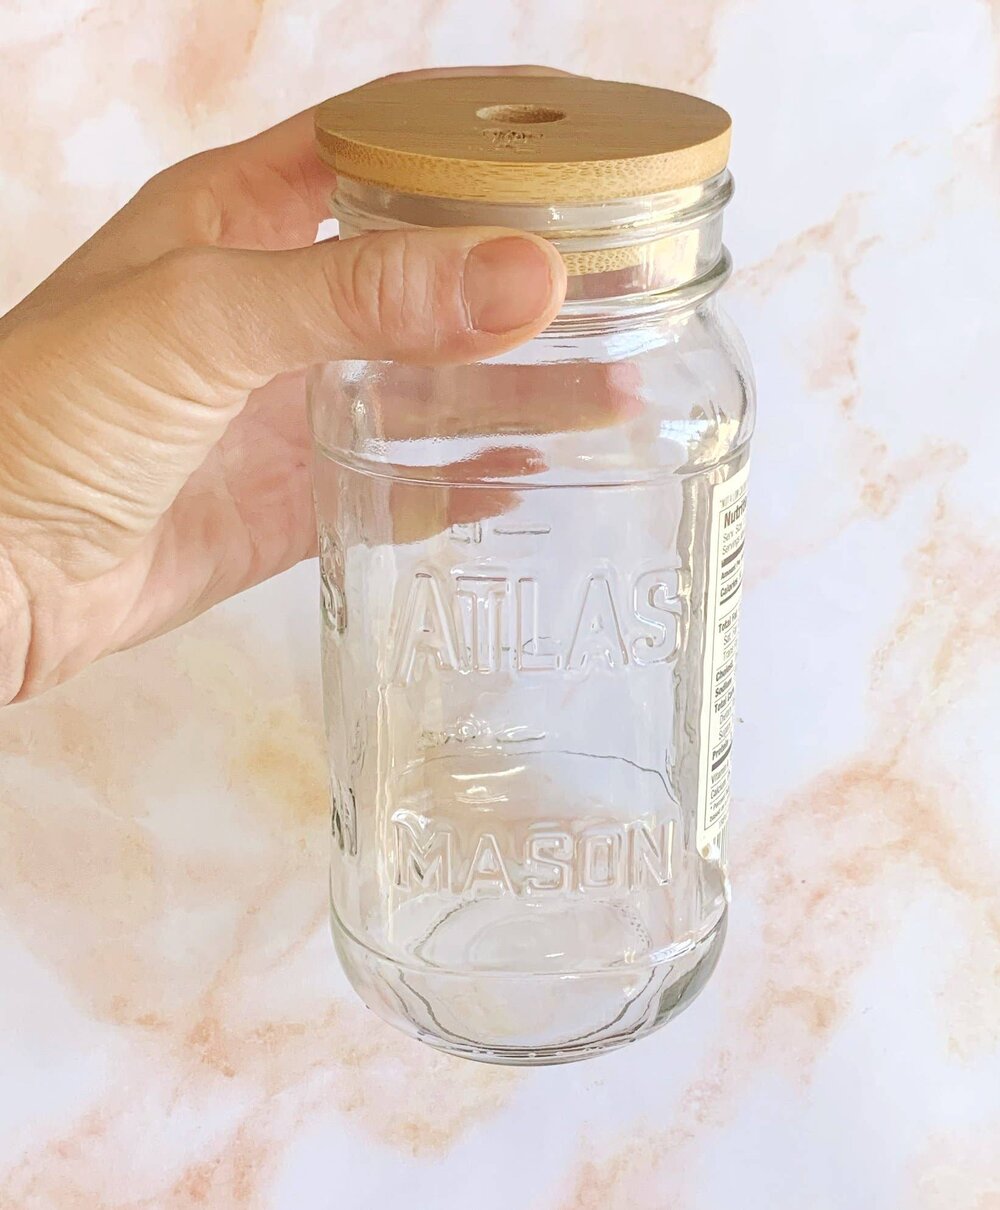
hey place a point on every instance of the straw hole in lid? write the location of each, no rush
(519, 115)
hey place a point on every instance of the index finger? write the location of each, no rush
(268, 192)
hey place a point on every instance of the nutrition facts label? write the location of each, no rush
(725, 583)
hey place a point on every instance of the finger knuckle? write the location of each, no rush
(182, 272)
(386, 288)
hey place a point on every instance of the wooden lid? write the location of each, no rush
(534, 139)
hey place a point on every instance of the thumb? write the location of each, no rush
(112, 402)
(427, 296)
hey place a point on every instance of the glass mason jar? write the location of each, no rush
(531, 574)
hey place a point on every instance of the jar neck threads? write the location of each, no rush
(636, 255)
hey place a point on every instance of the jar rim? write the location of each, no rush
(616, 223)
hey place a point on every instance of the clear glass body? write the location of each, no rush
(521, 643)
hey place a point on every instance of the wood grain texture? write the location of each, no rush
(516, 139)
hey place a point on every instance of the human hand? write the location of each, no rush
(155, 453)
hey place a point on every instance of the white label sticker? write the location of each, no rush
(722, 618)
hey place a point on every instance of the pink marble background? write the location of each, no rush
(174, 1032)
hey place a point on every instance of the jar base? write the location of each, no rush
(532, 1019)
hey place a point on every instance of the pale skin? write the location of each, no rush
(154, 450)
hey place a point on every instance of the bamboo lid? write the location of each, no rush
(531, 139)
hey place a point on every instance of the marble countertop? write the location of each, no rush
(174, 1030)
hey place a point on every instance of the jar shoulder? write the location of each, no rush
(679, 396)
